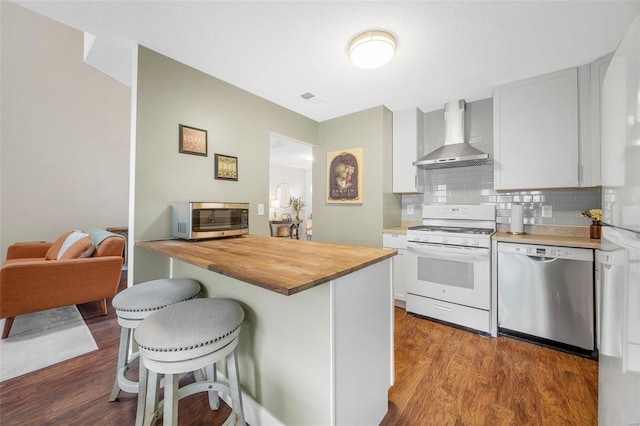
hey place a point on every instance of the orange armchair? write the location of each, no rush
(30, 283)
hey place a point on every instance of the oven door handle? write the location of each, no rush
(447, 252)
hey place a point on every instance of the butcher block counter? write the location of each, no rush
(550, 240)
(285, 266)
(323, 356)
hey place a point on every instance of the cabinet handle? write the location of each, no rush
(579, 173)
(443, 308)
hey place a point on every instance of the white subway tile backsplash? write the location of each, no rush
(474, 185)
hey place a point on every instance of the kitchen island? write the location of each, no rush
(316, 346)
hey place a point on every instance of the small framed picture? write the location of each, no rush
(226, 167)
(192, 141)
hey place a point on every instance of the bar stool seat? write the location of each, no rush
(184, 337)
(134, 304)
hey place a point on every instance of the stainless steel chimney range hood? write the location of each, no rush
(455, 152)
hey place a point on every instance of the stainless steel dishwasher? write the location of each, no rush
(546, 294)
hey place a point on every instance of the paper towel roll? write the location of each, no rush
(517, 216)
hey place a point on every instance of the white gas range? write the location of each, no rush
(450, 265)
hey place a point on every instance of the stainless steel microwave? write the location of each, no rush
(200, 221)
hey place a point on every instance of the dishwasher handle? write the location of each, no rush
(542, 259)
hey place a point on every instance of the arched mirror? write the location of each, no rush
(283, 195)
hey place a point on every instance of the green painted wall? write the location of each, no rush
(238, 123)
(290, 380)
(357, 224)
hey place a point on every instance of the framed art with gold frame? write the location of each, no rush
(226, 167)
(345, 176)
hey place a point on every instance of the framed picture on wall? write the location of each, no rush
(226, 167)
(192, 141)
(345, 176)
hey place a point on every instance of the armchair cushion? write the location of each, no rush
(106, 243)
(77, 245)
(71, 245)
(52, 253)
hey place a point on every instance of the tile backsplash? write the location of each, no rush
(474, 185)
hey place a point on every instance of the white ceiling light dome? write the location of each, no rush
(372, 49)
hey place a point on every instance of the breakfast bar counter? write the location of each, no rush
(282, 265)
(316, 346)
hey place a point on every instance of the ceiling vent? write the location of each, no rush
(307, 96)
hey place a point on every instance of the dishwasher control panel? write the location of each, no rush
(533, 250)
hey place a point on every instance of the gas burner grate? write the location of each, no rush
(452, 230)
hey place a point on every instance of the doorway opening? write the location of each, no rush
(290, 185)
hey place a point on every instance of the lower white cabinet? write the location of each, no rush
(398, 242)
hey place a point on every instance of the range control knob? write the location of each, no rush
(444, 239)
(476, 242)
(465, 241)
(425, 239)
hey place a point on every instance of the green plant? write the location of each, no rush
(297, 204)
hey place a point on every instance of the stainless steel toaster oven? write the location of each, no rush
(204, 220)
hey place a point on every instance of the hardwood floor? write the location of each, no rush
(76, 392)
(444, 376)
(447, 376)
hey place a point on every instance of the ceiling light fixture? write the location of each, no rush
(372, 49)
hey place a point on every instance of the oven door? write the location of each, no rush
(453, 274)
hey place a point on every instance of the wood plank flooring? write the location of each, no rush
(448, 376)
(444, 376)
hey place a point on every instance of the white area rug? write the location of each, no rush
(42, 339)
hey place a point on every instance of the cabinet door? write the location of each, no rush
(536, 132)
(408, 129)
(400, 272)
(590, 80)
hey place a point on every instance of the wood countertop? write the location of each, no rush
(550, 240)
(399, 230)
(282, 265)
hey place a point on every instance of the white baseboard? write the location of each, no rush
(254, 413)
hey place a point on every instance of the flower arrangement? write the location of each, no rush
(594, 214)
(297, 204)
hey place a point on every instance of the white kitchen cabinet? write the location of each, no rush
(591, 78)
(408, 130)
(536, 132)
(398, 242)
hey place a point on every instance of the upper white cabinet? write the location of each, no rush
(536, 132)
(408, 129)
(590, 81)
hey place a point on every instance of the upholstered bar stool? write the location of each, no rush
(134, 304)
(189, 336)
